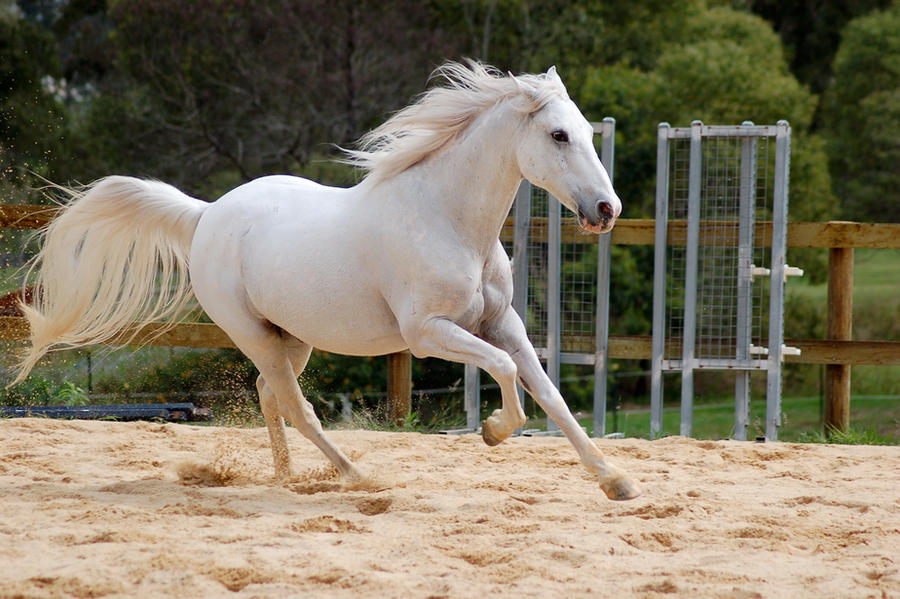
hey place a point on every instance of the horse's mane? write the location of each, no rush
(442, 113)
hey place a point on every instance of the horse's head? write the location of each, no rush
(556, 152)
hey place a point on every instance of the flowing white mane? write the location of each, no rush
(441, 113)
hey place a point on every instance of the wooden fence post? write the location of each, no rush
(399, 386)
(840, 321)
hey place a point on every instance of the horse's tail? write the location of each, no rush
(115, 258)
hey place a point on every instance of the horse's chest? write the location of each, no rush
(483, 306)
(472, 315)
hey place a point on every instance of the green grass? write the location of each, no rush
(879, 417)
(850, 437)
(876, 294)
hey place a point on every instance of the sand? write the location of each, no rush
(105, 509)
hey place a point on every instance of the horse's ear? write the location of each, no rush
(552, 74)
(515, 80)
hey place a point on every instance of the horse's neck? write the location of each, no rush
(472, 182)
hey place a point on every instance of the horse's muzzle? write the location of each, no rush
(601, 222)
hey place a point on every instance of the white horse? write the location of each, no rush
(408, 258)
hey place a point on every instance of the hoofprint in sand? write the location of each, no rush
(101, 509)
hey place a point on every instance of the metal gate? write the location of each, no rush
(719, 265)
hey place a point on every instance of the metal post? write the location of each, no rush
(690, 280)
(554, 266)
(601, 343)
(472, 396)
(522, 218)
(659, 279)
(776, 284)
(522, 226)
(747, 202)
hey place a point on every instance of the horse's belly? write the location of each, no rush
(331, 313)
(364, 332)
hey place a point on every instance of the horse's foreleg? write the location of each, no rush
(441, 338)
(508, 333)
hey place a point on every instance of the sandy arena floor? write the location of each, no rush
(99, 509)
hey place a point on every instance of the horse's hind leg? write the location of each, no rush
(298, 354)
(278, 379)
(278, 356)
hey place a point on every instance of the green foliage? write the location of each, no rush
(373, 419)
(878, 424)
(190, 371)
(31, 120)
(35, 390)
(68, 394)
(852, 436)
(39, 390)
(734, 71)
(811, 32)
(862, 111)
(726, 68)
(198, 88)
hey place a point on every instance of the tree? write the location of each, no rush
(217, 86)
(32, 121)
(811, 32)
(532, 35)
(730, 69)
(862, 110)
(723, 67)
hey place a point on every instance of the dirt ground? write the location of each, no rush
(102, 509)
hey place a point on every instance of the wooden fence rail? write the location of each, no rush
(838, 352)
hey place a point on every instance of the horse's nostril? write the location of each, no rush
(605, 211)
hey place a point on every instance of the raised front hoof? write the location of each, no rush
(491, 434)
(620, 488)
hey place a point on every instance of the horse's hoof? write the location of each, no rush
(489, 434)
(620, 488)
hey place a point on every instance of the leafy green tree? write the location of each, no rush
(532, 35)
(811, 31)
(862, 110)
(722, 67)
(731, 68)
(210, 87)
(32, 121)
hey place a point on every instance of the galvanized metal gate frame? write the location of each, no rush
(743, 362)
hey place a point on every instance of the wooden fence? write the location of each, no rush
(838, 352)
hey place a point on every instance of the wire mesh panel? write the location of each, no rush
(536, 303)
(578, 295)
(726, 234)
(719, 205)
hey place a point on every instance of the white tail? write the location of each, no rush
(115, 257)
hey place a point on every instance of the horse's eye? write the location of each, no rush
(560, 136)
